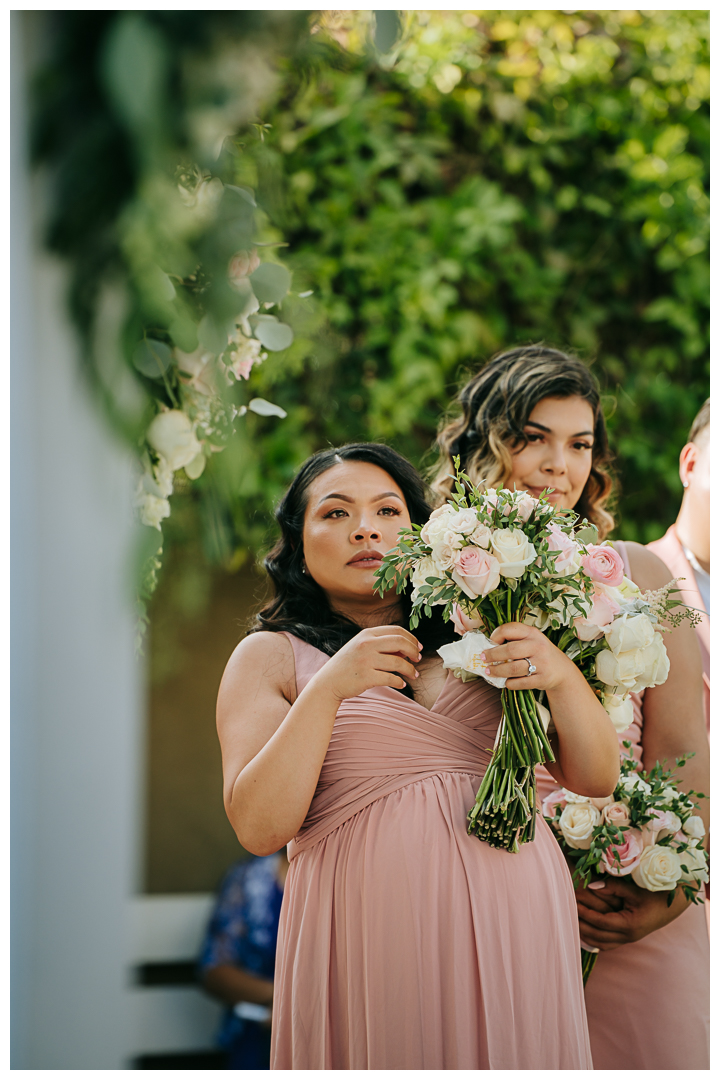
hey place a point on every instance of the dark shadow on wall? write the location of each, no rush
(197, 619)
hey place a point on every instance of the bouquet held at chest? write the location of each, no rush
(502, 556)
(647, 829)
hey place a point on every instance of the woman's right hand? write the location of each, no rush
(377, 656)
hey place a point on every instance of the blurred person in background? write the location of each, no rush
(685, 547)
(237, 964)
(532, 419)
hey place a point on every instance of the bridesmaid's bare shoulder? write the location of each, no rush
(648, 571)
(261, 658)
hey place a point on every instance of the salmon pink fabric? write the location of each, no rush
(405, 943)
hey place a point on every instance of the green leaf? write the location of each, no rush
(152, 358)
(212, 335)
(388, 29)
(274, 335)
(270, 283)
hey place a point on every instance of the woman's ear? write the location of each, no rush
(688, 461)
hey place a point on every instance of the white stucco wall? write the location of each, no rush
(76, 691)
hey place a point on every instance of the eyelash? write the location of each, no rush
(533, 437)
(394, 511)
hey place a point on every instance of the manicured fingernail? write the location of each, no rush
(416, 675)
(483, 656)
(596, 885)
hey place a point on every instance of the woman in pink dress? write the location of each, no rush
(404, 943)
(532, 419)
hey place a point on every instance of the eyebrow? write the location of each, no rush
(532, 423)
(348, 499)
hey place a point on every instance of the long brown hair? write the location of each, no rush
(496, 404)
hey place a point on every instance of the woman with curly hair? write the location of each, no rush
(532, 419)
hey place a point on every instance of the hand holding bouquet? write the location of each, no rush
(647, 829)
(503, 556)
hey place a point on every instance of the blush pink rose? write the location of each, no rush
(601, 614)
(621, 859)
(603, 564)
(462, 622)
(552, 801)
(617, 813)
(241, 265)
(477, 572)
(525, 504)
(567, 559)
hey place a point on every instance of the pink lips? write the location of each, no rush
(366, 560)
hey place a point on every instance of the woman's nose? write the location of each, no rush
(555, 462)
(366, 532)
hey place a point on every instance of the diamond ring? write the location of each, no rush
(531, 667)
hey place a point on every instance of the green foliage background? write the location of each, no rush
(495, 178)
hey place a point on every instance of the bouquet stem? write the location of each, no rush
(504, 810)
(589, 959)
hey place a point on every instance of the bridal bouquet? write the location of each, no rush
(503, 556)
(647, 829)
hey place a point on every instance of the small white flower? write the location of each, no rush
(172, 435)
(694, 827)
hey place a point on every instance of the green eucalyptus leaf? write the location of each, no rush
(273, 334)
(270, 283)
(212, 335)
(152, 358)
(588, 534)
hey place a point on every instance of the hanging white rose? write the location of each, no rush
(620, 711)
(171, 434)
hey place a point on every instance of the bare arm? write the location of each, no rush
(673, 724)
(231, 984)
(273, 750)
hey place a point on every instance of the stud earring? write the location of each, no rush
(685, 483)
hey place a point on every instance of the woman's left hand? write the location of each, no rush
(621, 912)
(519, 647)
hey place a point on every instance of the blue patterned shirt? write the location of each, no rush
(244, 926)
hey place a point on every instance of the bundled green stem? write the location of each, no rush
(504, 810)
(589, 960)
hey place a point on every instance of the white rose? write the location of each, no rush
(153, 510)
(481, 536)
(171, 434)
(621, 671)
(513, 551)
(656, 665)
(629, 591)
(577, 822)
(659, 869)
(696, 861)
(463, 521)
(445, 554)
(628, 784)
(694, 827)
(463, 657)
(434, 529)
(426, 568)
(628, 633)
(571, 797)
(620, 711)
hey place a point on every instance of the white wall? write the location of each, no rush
(76, 693)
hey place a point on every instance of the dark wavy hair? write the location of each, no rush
(496, 404)
(299, 605)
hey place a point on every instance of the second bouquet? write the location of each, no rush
(497, 557)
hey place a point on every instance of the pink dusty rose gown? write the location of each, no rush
(648, 1002)
(405, 943)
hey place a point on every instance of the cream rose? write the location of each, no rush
(481, 536)
(525, 504)
(577, 822)
(694, 827)
(463, 521)
(695, 859)
(426, 568)
(513, 551)
(476, 571)
(630, 632)
(620, 711)
(658, 869)
(656, 665)
(171, 434)
(627, 784)
(621, 671)
(434, 529)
